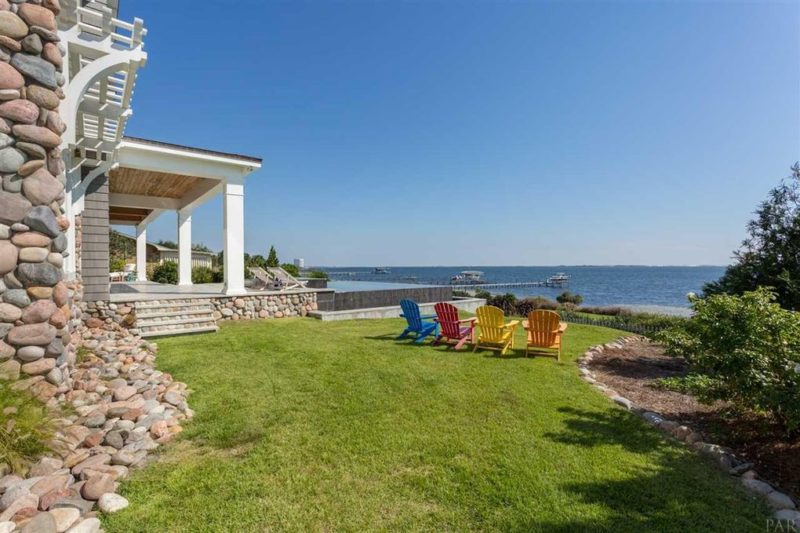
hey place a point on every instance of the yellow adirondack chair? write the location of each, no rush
(493, 332)
(545, 330)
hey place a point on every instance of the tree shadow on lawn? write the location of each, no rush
(444, 347)
(679, 491)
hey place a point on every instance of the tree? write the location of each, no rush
(567, 297)
(168, 244)
(770, 255)
(291, 269)
(272, 258)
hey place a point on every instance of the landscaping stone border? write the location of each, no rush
(785, 508)
(121, 408)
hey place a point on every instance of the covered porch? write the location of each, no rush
(147, 179)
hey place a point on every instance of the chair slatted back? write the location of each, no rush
(412, 314)
(448, 320)
(490, 322)
(543, 327)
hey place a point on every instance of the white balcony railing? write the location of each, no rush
(101, 24)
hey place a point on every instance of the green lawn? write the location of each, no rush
(305, 425)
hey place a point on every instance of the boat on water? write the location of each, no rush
(468, 277)
(559, 278)
(381, 270)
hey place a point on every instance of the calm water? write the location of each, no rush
(651, 288)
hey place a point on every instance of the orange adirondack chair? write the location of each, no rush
(493, 332)
(454, 329)
(545, 330)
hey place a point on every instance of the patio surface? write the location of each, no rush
(142, 291)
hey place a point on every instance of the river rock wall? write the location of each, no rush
(35, 301)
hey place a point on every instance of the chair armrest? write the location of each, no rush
(428, 317)
(525, 324)
(512, 324)
(562, 327)
(473, 319)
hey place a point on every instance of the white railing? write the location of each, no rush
(102, 24)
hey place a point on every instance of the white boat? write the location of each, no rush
(381, 270)
(559, 278)
(468, 277)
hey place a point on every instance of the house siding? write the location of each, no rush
(94, 251)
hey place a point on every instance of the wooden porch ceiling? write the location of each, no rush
(127, 215)
(124, 180)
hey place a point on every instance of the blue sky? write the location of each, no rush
(480, 133)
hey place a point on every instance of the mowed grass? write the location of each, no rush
(305, 425)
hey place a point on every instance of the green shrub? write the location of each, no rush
(116, 264)
(318, 274)
(745, 350)
(24, 428)
(507, 302)
(567, 297)
(527, 305)
(166, 272)
(291, 269)
(483, 293)
(202, 275)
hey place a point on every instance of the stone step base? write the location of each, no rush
(175, 317)
(182, 331)
(141, 318)
(145, 325)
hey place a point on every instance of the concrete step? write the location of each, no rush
(147, 307)
(144, 324)
(182, 331)
(175, 317)
(173, 313)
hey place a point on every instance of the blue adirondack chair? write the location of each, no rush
(417, 322)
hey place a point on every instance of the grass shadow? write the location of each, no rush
(600, 428)
(670, 491)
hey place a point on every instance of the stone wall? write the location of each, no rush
(225, 308)
(35, 309)
(266, 306)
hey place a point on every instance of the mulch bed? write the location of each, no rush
(632, 371)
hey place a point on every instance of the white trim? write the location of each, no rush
(188, 153)
(233, 222)
(184, 248)
(141, 252)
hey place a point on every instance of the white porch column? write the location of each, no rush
(233, 219)
(141, 252)
(73, 206)
(184, 247)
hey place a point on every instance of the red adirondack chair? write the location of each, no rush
(452, 328)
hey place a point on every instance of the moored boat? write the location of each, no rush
(468, 277)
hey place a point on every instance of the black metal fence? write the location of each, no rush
(647, 330)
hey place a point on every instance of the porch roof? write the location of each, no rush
(152, 176)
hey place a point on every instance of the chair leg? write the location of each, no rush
(403, 335)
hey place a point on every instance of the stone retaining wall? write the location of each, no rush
(35, 310)
(225, 308)
(266, 306)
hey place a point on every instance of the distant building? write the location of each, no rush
(300, 262)
(158, 254)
